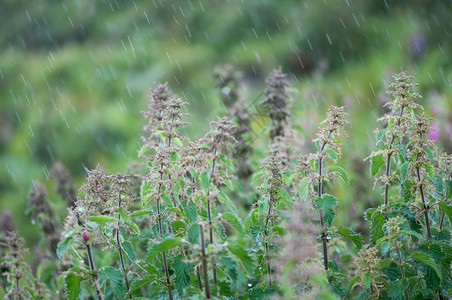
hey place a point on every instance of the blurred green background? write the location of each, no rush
(74, 76)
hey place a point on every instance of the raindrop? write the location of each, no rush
(255, 34)
(329, 39)
(146, 16)
(167, 54)
(250, 285)
(31, 130)
(33, 222)
(373, 92)
(257, 56)
(356, 20)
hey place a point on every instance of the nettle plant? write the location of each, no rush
(180, 229)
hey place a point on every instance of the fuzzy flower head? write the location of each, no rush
(277, 100)
(274, 183)
(332, 129)
(402, 91)
(369, 266)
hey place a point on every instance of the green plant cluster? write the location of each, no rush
(180, 225)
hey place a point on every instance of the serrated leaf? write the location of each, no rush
(429, 154)
(141, 212)
(126, 220)
(413, 233)
(230, 265)
(193, 233)
(404, 171)
(190, 211)
(205, 182)
(326, 203)
(342, 173)
(226, 162)
(102, 219)
(223, 198)
(234, 221)
(256, 235)
(356, 238)
(427, 259)
(397, 288)
(72, 282)
(181, 270)
(376, 227)
(376, 162)
(138, 283)
(380, 135)
(331, 153)
(237, 249)
(303, 189)
(116, 279)
(128, 249)
(166, 244)
(176, 190)
(447, 209)
(63, 246)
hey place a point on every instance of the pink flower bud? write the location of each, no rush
(85, 235)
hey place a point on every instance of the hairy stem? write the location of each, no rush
(198, 275)
(319, 193)
(159, 217)
(388, 162)
(267, 252)
(204, 263)
(424, 203)
(441, 220)
(118, 244)
(402, 270)
(209, 211)
(18, 287)
(93, 269)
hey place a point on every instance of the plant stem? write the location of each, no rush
(209, 212)
(93, 269)
(441, 220)
(424, 203)
(267, 252)
(118, 244)
(18, 287)
(402, 271)
(319, 193)
(388, 162)
(198, 275)
(159, 217)
(204, 263)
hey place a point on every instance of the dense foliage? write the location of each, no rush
(179, 226)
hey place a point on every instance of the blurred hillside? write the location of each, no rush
(74, 75)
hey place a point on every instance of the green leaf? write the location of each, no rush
(181, 270)
(116, 279)
(141, 212)
(72, 282)
(429, 154)
(326, 203)
(303, 189)
(237, 249)
(126, 220)
(166, 244)
(102, 219)
(427, 259)
(205, 182)
(380, 136)
(349, 233)
(342, 173)
(193, 233)
(397, 288)
(376, 227)
(376, 162)
(367, 280)
(63, 246)
(191, 212)
(404, 171)
(223, 198)
(412, 233)
(234, 221)
(226, 162)
(256, 234)
(128, 249)
(447, 209)
(138, 283)
(176, 190)
(331, 153)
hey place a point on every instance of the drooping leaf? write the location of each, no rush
(126, 220)
(447, 209)
(205, 182)
(72, 282)
(234, 221)
(404, 171)
(380, 135)
(141, 212)
(166, 244)
(181, 270)
(356, 238)
(376, 227)
(226, 162)
(128, 249)
(303, 189)
(427, 259)
(224, 199)
(342, 173)
(102, 219)
(331, 153)
(115, 278)
(376, 162)
(139, 282)
(63, 246)
(237, 249)
(190, 211)
(193, 233)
